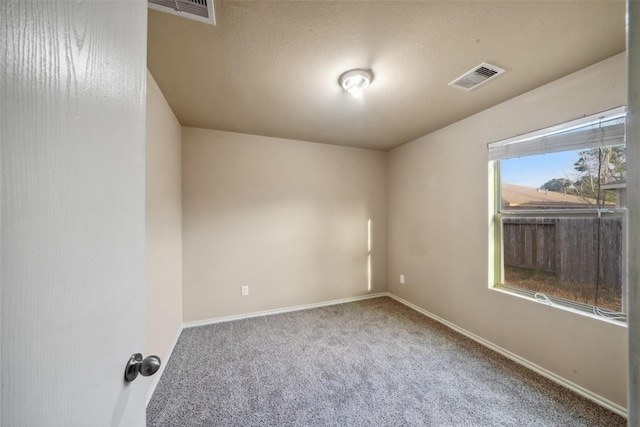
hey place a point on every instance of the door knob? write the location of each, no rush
(145, 367)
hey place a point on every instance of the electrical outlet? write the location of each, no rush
(402, 279)
(245, 291)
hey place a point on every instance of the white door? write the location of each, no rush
(72, 167)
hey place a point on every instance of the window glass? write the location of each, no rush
(561, 214)
(576, 179)
(575, 258)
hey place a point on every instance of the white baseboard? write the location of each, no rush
(614, 407)
(282, 310)
(158, 375)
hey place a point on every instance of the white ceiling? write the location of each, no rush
(271, 67)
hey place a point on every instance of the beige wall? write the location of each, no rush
(164, 225)
(439, 228)
(287, 218)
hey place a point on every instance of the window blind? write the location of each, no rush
(597, 130)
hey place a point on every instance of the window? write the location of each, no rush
(559, 214)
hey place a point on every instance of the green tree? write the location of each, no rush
(559, 185)
(597, 167)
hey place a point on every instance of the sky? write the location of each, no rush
(534, 171)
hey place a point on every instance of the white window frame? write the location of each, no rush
(563, 137)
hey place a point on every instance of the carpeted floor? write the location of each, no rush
(368, 363)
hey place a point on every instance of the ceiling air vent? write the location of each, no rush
(199, 10)
(474, 78)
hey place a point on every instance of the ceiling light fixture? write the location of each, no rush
(356, 81)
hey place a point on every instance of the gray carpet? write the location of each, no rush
(368, 363)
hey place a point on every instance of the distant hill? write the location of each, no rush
(520, 197)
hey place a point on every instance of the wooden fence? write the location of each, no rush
(567, 247)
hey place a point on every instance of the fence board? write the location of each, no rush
(530, 243)
(567, 247)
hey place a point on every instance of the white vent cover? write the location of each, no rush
(199, 10)
(474, 78)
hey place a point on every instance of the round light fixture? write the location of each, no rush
(356, 81)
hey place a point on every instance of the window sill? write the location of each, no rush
(585, 313)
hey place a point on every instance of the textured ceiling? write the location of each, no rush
(271, 67)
